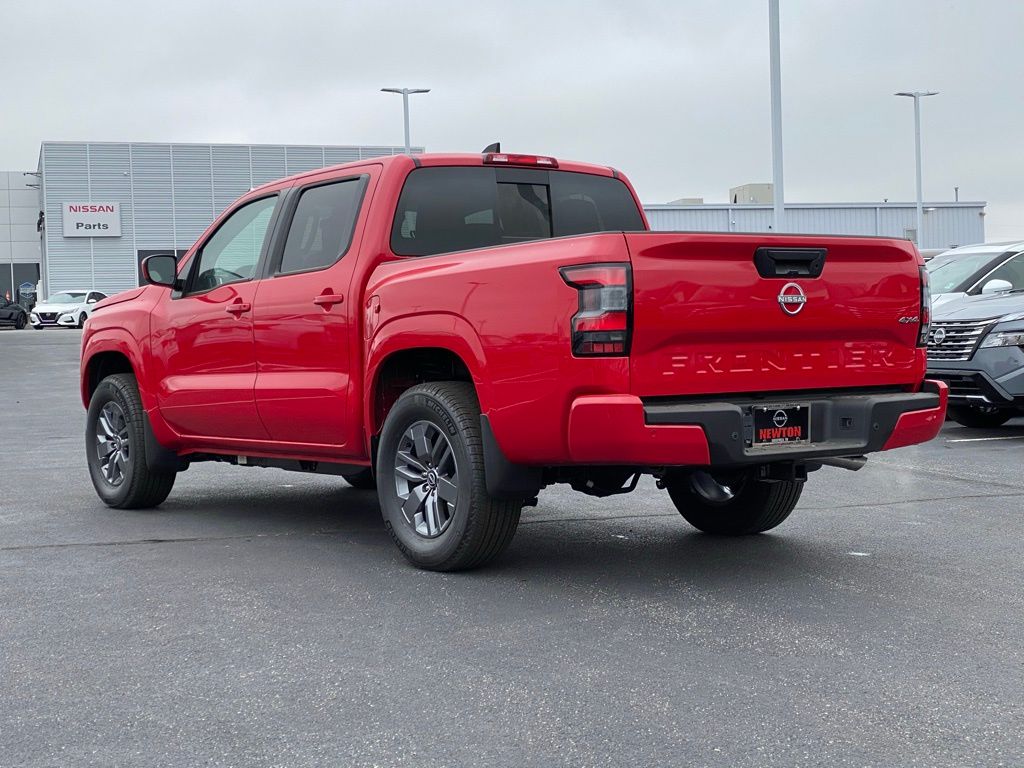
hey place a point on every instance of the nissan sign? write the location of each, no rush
(92, 219)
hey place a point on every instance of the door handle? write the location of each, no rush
(238, 308)
(328, 299)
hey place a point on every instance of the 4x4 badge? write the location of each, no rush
(792, 298)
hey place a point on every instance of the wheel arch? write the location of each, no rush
(406, 367)
(109, 354)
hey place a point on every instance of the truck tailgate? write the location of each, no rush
(708, 318)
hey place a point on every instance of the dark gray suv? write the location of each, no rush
(976, 345)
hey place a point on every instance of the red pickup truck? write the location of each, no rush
(460, 331)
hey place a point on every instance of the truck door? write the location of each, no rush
(201, 343)
(305, 315)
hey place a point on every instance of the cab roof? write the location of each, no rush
(430, 159)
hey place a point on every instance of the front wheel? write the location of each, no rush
(979, 416)
(21, 322)
(430, 481)
(81, 320)
(732, 504)
(115, 447)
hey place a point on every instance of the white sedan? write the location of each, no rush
(67, 309)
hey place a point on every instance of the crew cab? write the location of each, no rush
(460, 331)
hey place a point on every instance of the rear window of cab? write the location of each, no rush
(444, 209)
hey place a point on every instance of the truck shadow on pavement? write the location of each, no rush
(630, 550)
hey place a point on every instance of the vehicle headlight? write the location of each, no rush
(1008, 339)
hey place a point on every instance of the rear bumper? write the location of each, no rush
(624, 430)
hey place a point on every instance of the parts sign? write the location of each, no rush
(92, 219)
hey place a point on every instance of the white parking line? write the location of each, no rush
(982, 439)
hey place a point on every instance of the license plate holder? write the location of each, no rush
(781, 424)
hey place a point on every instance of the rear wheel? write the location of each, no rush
(734, 503)
(20, 323)
(363, 479)
(980, 416)
(115, 447)
(430, 480)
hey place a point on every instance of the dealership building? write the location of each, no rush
(93, 210)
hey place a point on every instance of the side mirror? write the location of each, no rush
(92, 301)
(997, 286)
(160, 269)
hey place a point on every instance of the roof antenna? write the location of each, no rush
(495, 147)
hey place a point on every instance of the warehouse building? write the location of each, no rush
(105, 206)
(109, 205)
(946, 225)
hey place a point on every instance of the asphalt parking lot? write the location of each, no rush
(263, 618)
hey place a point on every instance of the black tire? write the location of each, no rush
(81, 321)
(37, 327)
(363, 479)
(480, 527)
(139, 486)
(979, 417)
(755, 507)
(21, 322)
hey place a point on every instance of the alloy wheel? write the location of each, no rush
(113, 446)
(426, 479)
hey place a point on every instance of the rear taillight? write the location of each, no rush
(601, 327)
(925, 312)
(504, 158)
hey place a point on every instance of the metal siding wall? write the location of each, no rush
(301, 159)
(943, 228)
(193, 192)
(19, 210)
(68, 260)
(339, 155)
(113, 257)
(268, 164)
(752, 219)
(231, 177)
(153, 209)
(706, 220)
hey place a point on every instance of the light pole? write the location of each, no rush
(917, 96)
(405, 104)
(778, 195)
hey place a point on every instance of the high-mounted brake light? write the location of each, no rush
(925, 312)
(503, 158)
(601, 327)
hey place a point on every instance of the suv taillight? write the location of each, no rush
(926, 309)
(601, 327)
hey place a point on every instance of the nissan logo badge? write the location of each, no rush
(792, 298)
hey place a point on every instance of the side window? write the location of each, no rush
(1012, 271)
(94, 296)
(585, 203)
(321, 229)
(232, 253)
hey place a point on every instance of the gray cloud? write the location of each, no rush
(674, 94)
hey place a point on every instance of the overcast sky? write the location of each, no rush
(675, 93)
